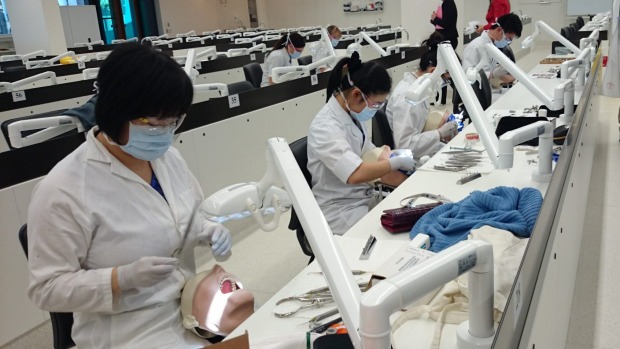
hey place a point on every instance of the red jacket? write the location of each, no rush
(497, 8)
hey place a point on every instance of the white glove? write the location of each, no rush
(217, 235)
(448, 131)
(145, 272)
(405, 163)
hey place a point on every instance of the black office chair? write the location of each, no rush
(580, 22)
(61, 322)
(508, 52)
(565, 32)
(299, 148)
(381, 130)
(220, 56)
(253, 73)
(238, 87)
(482, 89)
(574, 29)
(304, 60)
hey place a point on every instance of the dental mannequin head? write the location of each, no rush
(361, 88)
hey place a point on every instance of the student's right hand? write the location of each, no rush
(448, 131)
(145, 272)
(404, 163)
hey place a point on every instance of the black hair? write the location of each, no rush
(297, 40)
(433, 40)
(428, 59)
(136, 81)
(511, 23)
(370, 77)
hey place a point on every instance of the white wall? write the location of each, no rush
(201, 15)
(295, 13)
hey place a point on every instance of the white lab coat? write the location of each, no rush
(335, 147)
(407, 121)
(472, 55)
(320, 51)
(277, 58)
(90, 214)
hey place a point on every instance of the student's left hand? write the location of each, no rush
(217, 235)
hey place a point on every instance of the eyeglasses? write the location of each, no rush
(174, 122)
(374, 105)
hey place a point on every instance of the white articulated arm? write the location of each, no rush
(119, 41)
(90, 73)
(190, 62)
(394, 293)
(198, 38)
(12, 86)
(248, 40)
(215, 32)
(373, 44)
(220, 88)
(228, 36)
(269, 37)
(396, 48)
(89, 44)
(209, 53)
(514, 70)
(579, 64)
(27, 56)
(282, 74)
(189, 33)
(540, 25)
(49, 127)
(541, 129)
(51, 61)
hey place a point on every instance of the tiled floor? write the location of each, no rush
(265, 261)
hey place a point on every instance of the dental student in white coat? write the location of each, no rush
(319, 49)
(113, 226)
(337, 139)
(407, 121)
(289, 47)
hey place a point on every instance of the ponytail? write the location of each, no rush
(294, 37)
(370, 77)
(433, 40)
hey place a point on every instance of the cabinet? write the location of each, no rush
(80, 24)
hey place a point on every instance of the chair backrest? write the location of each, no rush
(580, 22)
(253, 73)
(299, 148)
(238, 87)
(304, 60)
(381, 130)
(509, 53)
(565, 32)
(486, 98)
(61, 322)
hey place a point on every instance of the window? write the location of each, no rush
(72, 2)
(5, 26)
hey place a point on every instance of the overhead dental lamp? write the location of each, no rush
(501, 151)
(365, 36)
(542, 26)
(366, 316)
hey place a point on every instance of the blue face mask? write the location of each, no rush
(334, 42)
(363, 116)
(148, 142)
(503, 42)
(295, 54)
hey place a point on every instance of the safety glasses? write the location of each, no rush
(173, 122)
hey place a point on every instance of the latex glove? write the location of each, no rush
(217, 235)
(145, 272)
(448, 131)
(404, 163)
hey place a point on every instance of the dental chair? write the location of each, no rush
(61, 322)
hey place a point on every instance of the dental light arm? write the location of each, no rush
(282, 74)
(119, 41)
(233, 52)
(541, 129)
(215, 32)
(89, 44)
(51, 61)
(373, 44)
(248, 40)
(581, 64)
(27, 56)
(12, 86)
(49, 127)
(540, 25)
(90, 73)
(394, 293)
(282, 167)
(228, 36)
(199, 38)
(189, 33)
(426, 86)
(219, 88)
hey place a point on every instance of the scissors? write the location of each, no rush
(315, 298)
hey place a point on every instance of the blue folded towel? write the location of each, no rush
(502, 207)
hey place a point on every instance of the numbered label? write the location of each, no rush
(202, 42)
(169, 45)
(19, 96)
(402, 55)
(233, 101)
(81, 65)
(252, 56)
(307, 38)
(90, 48)
(314, 79)
(199, 65)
